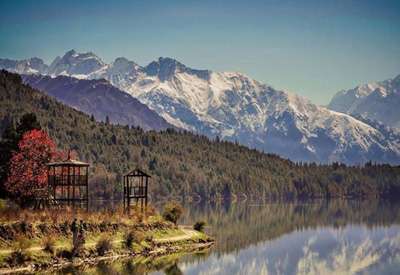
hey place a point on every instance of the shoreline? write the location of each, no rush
(185, 244)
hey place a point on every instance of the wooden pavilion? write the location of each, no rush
(136, 188)
(68, 182)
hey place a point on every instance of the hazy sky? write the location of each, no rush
(313, 48)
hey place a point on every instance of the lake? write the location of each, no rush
(313, 237)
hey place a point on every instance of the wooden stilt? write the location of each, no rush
(136, 188)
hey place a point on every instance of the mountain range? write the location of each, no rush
(376, 101)
(232, 106)
(99, 98)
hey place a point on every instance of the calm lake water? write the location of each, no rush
(318, 237)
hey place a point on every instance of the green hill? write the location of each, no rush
(185, 163)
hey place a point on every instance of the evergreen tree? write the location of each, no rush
(27, 123)
(153, 164)
(8, 145)
(113, 139)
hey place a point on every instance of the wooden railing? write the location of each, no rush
(65, 180)
(137, 191)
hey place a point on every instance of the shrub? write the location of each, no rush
(172, 212)
(149, 239)
(49, 245)
(199, 226)
(129, 239)
(65, 253)
(18, 257)
(24, 227)
(20, 254)
(133, 237)
(43, 228)
(103, 246)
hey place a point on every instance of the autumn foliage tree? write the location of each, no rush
(10, 138)
(28, 171)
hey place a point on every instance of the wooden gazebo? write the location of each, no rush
(136, 188)
(68, 182)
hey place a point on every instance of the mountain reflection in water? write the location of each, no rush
(315, 237)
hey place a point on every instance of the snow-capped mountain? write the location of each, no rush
(78, 65)
(238, 108)
(99, 98)
(28, 66)
(377, 101)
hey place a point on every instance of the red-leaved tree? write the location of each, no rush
(28, 171)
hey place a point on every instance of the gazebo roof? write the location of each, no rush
(137, 172)
(69, 162)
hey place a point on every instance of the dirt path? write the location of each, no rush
(188, 234)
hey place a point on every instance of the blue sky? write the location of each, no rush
(313, 48)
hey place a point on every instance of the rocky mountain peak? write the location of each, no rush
(76, 64)
(165, 68)
(377, 101)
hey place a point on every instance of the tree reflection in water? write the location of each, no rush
(335, 236)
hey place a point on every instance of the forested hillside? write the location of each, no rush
(185, 163)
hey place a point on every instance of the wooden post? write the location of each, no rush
(124, 192)
(72, 179)
(87, 188)
(147, 183)
(68, 184)
(48, 183)
(62, 183)
(129, 194)
(54, 183)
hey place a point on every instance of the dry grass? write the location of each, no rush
(58, 216)
(20, 253)
(41, 227)
(41, 236)
(49, 245)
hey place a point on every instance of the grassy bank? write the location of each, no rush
(32, 241)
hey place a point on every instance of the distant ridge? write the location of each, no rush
(99, 98)
(377, 101)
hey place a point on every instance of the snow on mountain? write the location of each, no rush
(377, 101)
(28, 66)
(238, 108)
(99, 98)
(74, 64)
